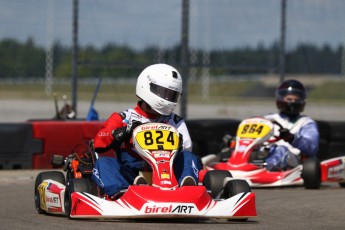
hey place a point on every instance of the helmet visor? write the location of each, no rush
(165, 93)
(282, 93)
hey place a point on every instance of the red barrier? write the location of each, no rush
(60, 137)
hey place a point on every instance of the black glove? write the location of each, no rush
(124, 134)
(286, 135)
(119, 134)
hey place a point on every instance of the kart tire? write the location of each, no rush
(75, 185)
(53, 175)
(311, 173)
(234, 187)
(213, 181)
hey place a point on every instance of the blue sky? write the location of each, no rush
(217, 24)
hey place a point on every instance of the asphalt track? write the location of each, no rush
(278, 208)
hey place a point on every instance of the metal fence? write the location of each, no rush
(209, 41)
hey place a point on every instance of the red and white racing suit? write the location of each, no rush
(114, 174)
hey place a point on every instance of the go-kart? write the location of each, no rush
(76, 196)
(246, 159)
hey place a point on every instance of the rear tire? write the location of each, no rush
(311, 173)
(75, 185)
(213, 181)
(53, 175)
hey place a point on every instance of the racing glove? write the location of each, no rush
(124, 134)
(286, 135)
(119, 134)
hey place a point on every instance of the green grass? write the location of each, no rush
(332, 91)
(329, 91)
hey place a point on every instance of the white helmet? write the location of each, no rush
(160, 86)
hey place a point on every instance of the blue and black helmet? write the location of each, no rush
(291, 87)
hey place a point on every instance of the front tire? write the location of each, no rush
(213, 181)
(53, 175)
(234, 187)
(311, 173)
(75, 185)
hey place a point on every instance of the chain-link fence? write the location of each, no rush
(236, 51)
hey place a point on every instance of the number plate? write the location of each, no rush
(254, 128)
(157, 139)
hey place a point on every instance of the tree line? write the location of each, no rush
(27, 60)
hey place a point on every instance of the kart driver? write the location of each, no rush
(158, 88)
(299, 132)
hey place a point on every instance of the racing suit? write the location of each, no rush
(114, 174)
(305, 142)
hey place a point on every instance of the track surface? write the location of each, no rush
(278, 208)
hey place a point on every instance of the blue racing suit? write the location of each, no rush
(305, 143)
(114, 174)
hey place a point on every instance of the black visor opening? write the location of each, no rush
(165, 93)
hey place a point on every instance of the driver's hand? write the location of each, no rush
(124, 134)
(286, 135)
(119, 134)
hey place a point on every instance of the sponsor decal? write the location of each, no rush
(103, 134)
(335, 172)
(96, 174)
(161, 153)
(158, 127)
(135, 115)
(149, 127)
(195, 169)
(42, 191)
(164, 127)
(241, 148)
(52, 200)
(165, 176)
(165, 182)
(169, 209)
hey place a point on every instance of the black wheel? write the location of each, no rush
(213, 181)
(234, 187)
(311, 173)
(53, 175)
(75, 185)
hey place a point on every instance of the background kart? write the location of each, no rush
(246, 161)
(220, 196)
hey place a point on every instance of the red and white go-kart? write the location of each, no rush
(74, 195)
(254, 137)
